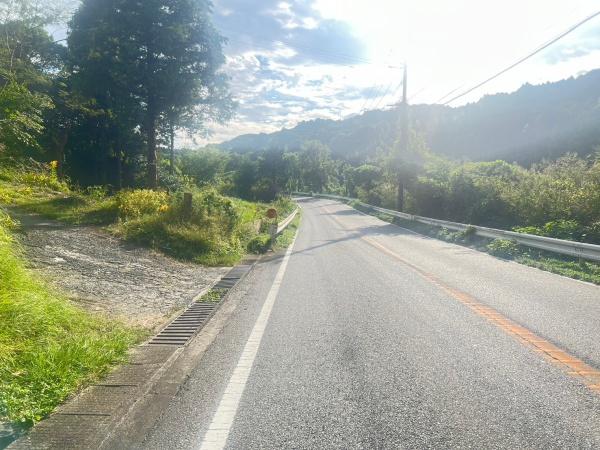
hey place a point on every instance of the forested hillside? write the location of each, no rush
(533, 123)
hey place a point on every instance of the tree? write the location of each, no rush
(316, 165)
(21, 116)
(29, 59)
(159, 58)
(206, 166)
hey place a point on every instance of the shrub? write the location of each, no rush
(559, 229)
(284, 206)
(140, 202)
(563, 229)
(209, 235)
(592, 233)
(537, 231)
(96, 192)
(259, 244)
(503, 248)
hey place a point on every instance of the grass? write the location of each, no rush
(48, 347)
(572, 268)
(213, 296)
(562, 265)
(75, 208)
(286, 238)
(219, 230)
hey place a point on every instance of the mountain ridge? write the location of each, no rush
(534, 122)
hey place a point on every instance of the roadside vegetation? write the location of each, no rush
(48, 346)
(576, 268)
(217, 230)
(558, 198)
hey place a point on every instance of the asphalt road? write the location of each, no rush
(368, 346)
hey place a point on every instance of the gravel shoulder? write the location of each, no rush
(103, 274)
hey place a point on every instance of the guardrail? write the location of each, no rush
(563, 247)
(283, 225)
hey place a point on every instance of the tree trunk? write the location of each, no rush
(60, 152)
(152, 172)
(119, 168)
(172, 149)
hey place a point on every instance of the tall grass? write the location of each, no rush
(218, 231)
(48, 346)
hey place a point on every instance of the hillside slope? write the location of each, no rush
(527, 125)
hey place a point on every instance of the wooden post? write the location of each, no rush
(187, 205)
(272, 215)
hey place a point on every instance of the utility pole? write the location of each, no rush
(403, 150)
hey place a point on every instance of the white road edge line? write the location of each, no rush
(222, 421)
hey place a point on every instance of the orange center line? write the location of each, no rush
(572, 365)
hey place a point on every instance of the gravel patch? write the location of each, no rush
(103, 274)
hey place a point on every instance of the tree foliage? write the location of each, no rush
(21, 116)
(152, 64)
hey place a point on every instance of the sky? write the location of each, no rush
(296, 60)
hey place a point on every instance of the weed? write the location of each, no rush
(286, 238)
(504, 248)
(213, 296)
(134, 204)
(48, 347)
(259, 244)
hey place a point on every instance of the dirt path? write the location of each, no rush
(101, 273)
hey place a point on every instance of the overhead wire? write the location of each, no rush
(525, 58)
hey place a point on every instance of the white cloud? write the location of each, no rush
(446, 44)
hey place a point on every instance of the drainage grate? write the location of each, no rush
(185, 326)
(181, 330)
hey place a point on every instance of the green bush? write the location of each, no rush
(559, 229)
(140, 202)
(591, 233)
(459, 237)
(259, 244)
(563, 229)
(503, 248)
(284, 206)
(210, 234)
(560, 198)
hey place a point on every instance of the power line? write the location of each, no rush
(370, 100)
(449, 94)
(419, 92)
(395, 91)
(525, 58)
